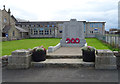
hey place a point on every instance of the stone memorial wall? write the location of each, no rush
(73, 34)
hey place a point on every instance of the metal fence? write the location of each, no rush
(113, 40)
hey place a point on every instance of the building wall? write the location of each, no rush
(7, 19)
(93, 28)
(59, 30)
(90, 28)
(39, 29)
(16, 34)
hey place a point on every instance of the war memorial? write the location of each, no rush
(71, 53)
(67, 53)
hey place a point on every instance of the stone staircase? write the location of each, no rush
(72, 61)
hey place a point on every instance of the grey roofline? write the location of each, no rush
(59, 21)
(20, 29)
(45, 21)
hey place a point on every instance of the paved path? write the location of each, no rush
(60, 75)
(67, 51)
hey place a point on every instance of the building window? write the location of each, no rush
(100, 25)
(46, 32)
(3, 35)
(60, 31)
(41, 25)
(92, 32)
(90, 25)
(35, 31)
(32, 25)
(13, 33)
(93, 25)
(52, 25)
(5, 20)
(47, 25)
(96, 25)
(31, 31)
(41, 32)
(38, 25)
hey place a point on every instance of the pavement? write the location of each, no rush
(60, 75)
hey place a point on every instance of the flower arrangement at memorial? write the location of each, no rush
(39, 54)
(88, 48)
(39, 48)
(88, 53)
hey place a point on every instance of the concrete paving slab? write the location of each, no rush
(70, 51)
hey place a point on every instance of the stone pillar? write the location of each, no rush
(20, 59)
(105, 59)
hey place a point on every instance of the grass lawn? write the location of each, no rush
(9, 46)
(96, 43)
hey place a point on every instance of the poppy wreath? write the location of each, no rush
(73, 40)
(68, 40)
(77, 40)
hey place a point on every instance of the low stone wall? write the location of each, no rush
(105, 59)
(53, 48)
(117, 54)
(20, 59)
(4, 60)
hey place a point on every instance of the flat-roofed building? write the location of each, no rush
(55, 28)
(14, 29)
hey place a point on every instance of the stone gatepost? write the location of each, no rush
(20, 59)
(105, 59)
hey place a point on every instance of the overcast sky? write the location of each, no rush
(57, 10)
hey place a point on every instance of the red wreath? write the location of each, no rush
(68, 40)
(73, 40)
(77, 40)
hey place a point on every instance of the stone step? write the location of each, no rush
(63, 56)
(72, 63)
